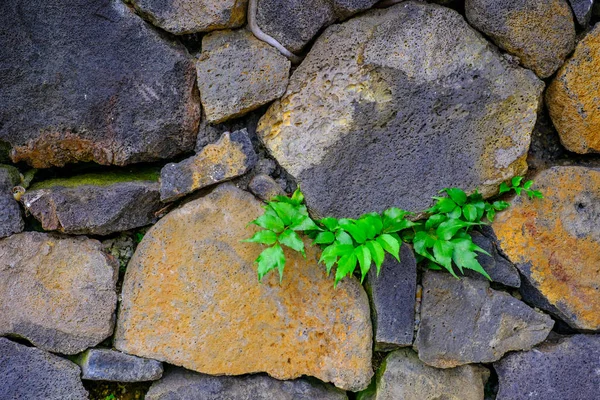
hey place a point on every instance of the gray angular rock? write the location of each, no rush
(57, 292)
(238, 73)
(582, 10)
(540, 33)
(181, 384)
(111, 365)
(464, 321)
(563, 368)
(367, 113)
(11, 219)
(392, 295)
(498, 268)
(27, 373)
(90, 81)
(233, 155)
(265, 188)
(9, 177)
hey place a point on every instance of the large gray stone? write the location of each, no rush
(392, 295)
(563, 368)
(57, 292)
(465, 321)
(111, 365)
(392, 106)
(11, 219)
(90, 81)
(582, 10)
(181, 384)
(27, 373)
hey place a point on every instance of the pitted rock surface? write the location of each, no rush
(582, 10)
(111, 365)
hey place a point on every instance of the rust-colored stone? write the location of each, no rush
(191, 298)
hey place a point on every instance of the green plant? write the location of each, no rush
(110, 397)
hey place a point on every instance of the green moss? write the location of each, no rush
(11, 173)
(101, 179)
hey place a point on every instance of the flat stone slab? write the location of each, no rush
(111, 365)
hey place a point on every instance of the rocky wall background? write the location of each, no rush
(138, 138)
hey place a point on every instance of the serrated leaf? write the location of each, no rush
(504, 188)
(390, 244)
(392, 217)
(371, 224)
(421, 243)
(330, 223)
(271, 258)
(442, 251)
(324, 238)
(363, 255)
(455, 214)
(345, 267)
(304, 223)
(286, 211)
(270, 220)
(298, 196)
(444, 204)
(291, 239)
(263, 237)
(434, 220)
(465, 257)
(350, 226)
(491, 214)
(433, 266)
(457, 195)
(448, 228)
(516, 181)
(377, 253)
(343, 237)
(470, 212)
(500, 205)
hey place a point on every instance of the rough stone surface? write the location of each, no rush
(540, 33)
(582, 10)
(573, 100)
(57, 292)
(187, 385)
(111, 365)
(191, 16)
(90, 81)
(363, 122)
(11, 219)
(238, 73)
(403, 376)
(233, 155)
(392, 296)
(265, 188)
(74, 207)
(191, 298)
(498, 268)
(27, 373)
(555, 243)
(464, 321)
(9, 177)
(565, 368)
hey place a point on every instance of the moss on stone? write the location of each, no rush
(12, 173)
(101, 178)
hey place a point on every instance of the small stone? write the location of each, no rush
(11, 219)
(9, 177)
(114, 366)
(265, 188)
(540, 33)
(191, 298)
(57, 292)
(392, 296)
(191, 16)
(498, 268)
(573, 100)
(402, 376)
(181, 384)
(233, 155)
(27, 373)
(582, 10)
(564, 368)
(238, 73)
(555, 244)
(465, 321)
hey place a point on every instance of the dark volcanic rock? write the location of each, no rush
(111, 365)
(392, 296)
(265, 188)
(564, 368)
(27, 373)
(88, 80)
(582, 10)
(11, 219)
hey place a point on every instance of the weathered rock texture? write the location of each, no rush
(555, 243)
(396, 104)
(238, 73)
(191, 298)
(11, 220)
(90, 81)
(57, 292)
(96, 204)
(264, 187)
(27, 373)
(540, 33)
(231, 156)
(186, 385)
(392, 296)
(110, 365)
(582, 10)
(566, 368)
(464, 321)
(403, 376)
(190, 16)
(573, 99)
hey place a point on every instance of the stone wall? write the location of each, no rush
(138, 138)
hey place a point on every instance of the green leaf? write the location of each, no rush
(264, 237)
(464, 256)
(504, 188)
(422, 242)
(269, 259)
(269, 220)
(291, 239)
(470, 212)
(455, 214)
(516, 181)
(537, 194)
(329, 223)
(287, 212)
(350, 226)
(500, 205)
(324, 238)
(444, 204)
(377, 253)
(371, 224)
(298, 197)
(518, 190)
(390, 244)
(457, 195)
(491, 214)
(392, 219)
(304, 223)
(343, 237)
(528, 184)
(442, 251)
(448, 228)
(435, 220)
(363, 255)
(345, 267)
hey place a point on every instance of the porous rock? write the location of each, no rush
(238, 73)
(233, 155)
(90, 81)
(265, 188)
(191, 298)
(582, 10)
(27, 373)
(540, 33)
(9, 177)
(573, 100)
(111, 365)
(564, 368)
(11, 220)
(57, 292)
(465, 321)
(555, 244)
(187, 385)
(439, 86)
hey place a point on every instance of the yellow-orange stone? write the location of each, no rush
(555, 242)
(191, 297)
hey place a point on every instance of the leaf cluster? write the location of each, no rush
(518, 186)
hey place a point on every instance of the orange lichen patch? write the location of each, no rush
(556, 242)
(573, 97)
(191, 297)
